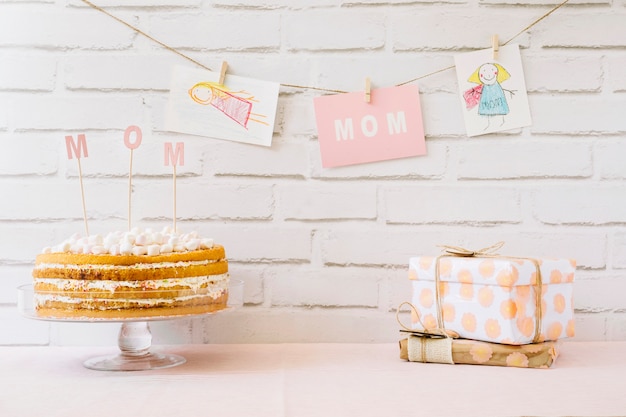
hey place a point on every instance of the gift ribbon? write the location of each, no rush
(460, 251)
(427, 345)
(437, 333)
(487, 252)
(424, 349)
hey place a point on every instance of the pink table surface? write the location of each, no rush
(322, 380)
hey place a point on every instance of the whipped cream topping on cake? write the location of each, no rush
(134, 242)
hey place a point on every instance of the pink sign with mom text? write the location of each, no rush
(353, 131)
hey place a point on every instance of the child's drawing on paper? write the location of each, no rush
(489, 94)
(242, 110)
(488, 105)
(236, 105)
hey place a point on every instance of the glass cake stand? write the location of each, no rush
(135, 338)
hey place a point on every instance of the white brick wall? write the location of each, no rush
(323, 252)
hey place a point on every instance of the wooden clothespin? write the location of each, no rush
(223, 72)
(368, 90)
(495, 46)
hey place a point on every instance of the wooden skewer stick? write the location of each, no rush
(174, 194)
(130, 188)
(82, 194)
(132, 146)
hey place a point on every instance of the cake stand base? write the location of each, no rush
(134, 341)
(123, 362)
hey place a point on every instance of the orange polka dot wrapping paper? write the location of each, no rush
(494, 299)
(474, 352)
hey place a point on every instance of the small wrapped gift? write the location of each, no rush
(494, 298)
(463, 351)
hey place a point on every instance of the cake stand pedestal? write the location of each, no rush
(134, 342)
(135, 338)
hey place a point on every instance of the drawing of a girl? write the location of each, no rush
(236, 105)
(489, 94)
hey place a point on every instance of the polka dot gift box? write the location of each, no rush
(497, 299)
(474, 352)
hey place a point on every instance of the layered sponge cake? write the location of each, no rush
(131, 275)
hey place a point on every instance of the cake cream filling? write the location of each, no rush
(195, 284)
(106, 303)
(138, 266)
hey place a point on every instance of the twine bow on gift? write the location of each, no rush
(433, 333)
(427, 345)
(459, 251)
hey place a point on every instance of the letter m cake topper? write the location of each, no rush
(76, 148)
(174, 155)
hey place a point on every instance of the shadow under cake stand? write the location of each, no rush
(135, 338)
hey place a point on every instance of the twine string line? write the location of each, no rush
(174, 50)
(139, 31)
(554, 9)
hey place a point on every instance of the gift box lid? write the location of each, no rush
(492, 270)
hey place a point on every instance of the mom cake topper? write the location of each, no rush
(174, 155)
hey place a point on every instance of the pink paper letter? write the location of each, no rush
(127, 133)
(74, 148)
(175, 157)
